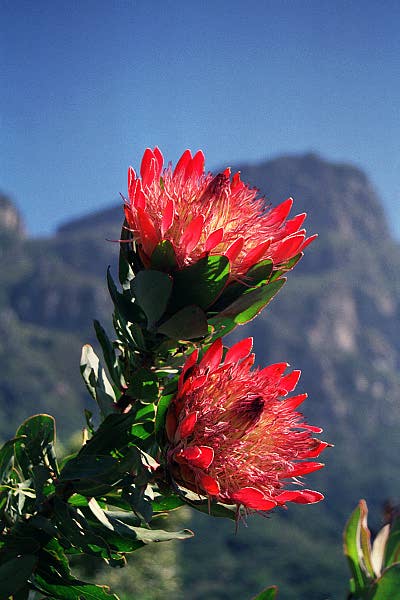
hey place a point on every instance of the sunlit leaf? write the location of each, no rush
(388, 585)
(269, 593)
(352, 549)
(200, 283)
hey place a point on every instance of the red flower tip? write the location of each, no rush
(233, 436)
(300, 497)
(209, 484)
(253, 498)
(239, 351)
(186, 426)
(197, 456)
(199, 213)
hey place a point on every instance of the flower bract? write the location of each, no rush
(199, 214)
(235, 436)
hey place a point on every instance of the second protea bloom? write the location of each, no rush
(235, 436)
(201, 214)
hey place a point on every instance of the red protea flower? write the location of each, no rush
(234, 436)
(201, 214)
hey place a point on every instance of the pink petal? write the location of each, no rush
(247, 363)
(192, 384)
(311, 428)
(294, 224)
(135, 191)
(159, 161)
(148, 167)
(168, 216)
(253, 498)
(209, 484)
(238, 351)
(274, 372)
(255, 255)
(288, 248)
(294, 402)
(199, 456)
(299, 496)
(308, 241)
(182, 164)
(129, 217)
(278, 214)
(186, 426)
(212, 358)
(196, 166)
(148, 234)
(236, 184)
(288, 382)
(303, 469)
(234, 249)
(227, 172)
(191, 236)
(316, 451)
(131, 181)
(214, 239)
(191, 360)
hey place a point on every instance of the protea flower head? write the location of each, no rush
(234, 436)
(203, 214)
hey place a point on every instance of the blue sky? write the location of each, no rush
(87, 85)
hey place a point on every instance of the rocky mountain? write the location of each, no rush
(337, 318)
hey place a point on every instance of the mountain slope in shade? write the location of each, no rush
(337, 318)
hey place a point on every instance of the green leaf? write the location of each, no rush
(96, 381)
(252, 302)
(15, 572)
(114, 431)
(201, 283)
(249, 304)
(259, 274)
(162, 408)
(6, 458)
(187, 324)
(365, 540)
(216, 509)
(392, 551)
(75, 531)
(125, 271)
(148, 536)
(39, 434)
(143, 386)
(59, 588)
(352, 549)
(388, 585)
(163, 257)
(165, 503)
(129, 311)
(91, 475)
(270, 593)
(287, 267)
(152, 290)
(108, 353)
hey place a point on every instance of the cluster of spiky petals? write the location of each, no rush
(201, 214)
(235, 436)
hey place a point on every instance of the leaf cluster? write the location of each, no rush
(375, 567)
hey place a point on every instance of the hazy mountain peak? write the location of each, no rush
(10, 218)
